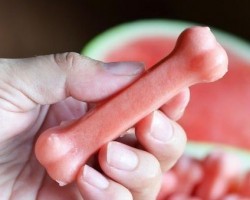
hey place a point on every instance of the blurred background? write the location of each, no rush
(29, 28)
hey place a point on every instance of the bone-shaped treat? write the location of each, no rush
(197, 57)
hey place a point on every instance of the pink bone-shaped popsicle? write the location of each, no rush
(197, 57)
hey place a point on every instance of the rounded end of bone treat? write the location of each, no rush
(50, 147)
(203, 55)
(65, 170)
(57, 155)
(196, 39)
(211, 65)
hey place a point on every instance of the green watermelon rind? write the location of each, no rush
(114, 37)
(200, 149)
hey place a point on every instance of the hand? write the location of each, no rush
(42, 92)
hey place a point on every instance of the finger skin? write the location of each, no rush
(52, 78)
(94, 186)
(143, 180)
(175, 108)
(170, 140)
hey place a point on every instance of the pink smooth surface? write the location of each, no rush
(196, 58)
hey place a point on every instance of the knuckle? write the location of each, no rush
(67, 60)
(73, 62)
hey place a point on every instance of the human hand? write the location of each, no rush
(42, 92)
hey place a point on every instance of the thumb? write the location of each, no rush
(52, 78)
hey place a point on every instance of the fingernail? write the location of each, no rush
(121, 157)
(94, 178)
(161, 128)
(124, 68)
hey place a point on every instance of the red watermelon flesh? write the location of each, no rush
(148, 50)
(219, 111)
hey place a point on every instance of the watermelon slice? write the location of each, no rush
(218, 113)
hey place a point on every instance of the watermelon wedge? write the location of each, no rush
(218, 113)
